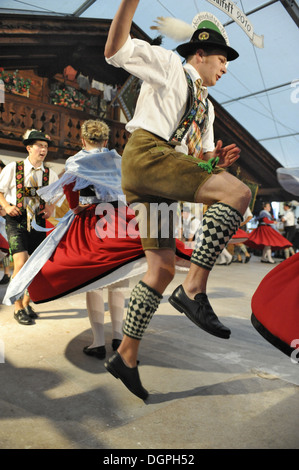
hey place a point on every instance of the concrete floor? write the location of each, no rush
(205, 393)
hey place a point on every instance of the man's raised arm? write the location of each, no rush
(120, 27)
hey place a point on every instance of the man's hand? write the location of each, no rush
(227, 155)
(47, 211)
(12, 210)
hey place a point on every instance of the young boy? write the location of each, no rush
(169, 157)
(18, 184)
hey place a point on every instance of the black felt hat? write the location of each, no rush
(36, 135)
(205, 38)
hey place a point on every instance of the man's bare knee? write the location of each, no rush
(243, 198)
(19, 259)
(225, 188)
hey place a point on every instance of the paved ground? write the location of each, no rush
(205, 393)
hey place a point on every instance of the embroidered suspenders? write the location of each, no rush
(23, 191)
(195, 109)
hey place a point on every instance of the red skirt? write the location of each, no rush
(240, 237)
(84, 255)
(4, 246)
(264, 235)
(275, 306)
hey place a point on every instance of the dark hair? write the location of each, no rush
(2, 165)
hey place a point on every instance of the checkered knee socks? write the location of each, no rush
(143, 303)
(220, 223)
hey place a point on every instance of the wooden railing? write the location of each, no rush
(19, 113)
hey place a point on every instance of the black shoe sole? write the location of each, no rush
(142, 394)
(181, 310)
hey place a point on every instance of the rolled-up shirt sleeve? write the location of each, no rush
(121, 56)
(149, 63)
(8, 183)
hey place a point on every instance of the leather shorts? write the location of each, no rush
(153, 173)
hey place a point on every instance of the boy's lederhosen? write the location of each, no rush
(19, 238)
(153, 172)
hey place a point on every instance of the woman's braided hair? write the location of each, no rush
(95, 131)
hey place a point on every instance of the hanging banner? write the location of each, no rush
(127, 96)
(240, 18)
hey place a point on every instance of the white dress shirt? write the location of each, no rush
(288, 218)
(8, 179)
(164, 91)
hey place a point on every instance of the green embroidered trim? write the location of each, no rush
(13, 243)
(209, 165)
(20, 184)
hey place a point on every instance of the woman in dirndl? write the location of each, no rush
(97, 244)
(265, 237)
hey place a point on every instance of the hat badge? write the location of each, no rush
(203, 36)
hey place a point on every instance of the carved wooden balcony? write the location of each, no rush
(19, 113)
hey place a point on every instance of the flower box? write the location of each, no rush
(15, 84)
(21, 93)
(69, 97)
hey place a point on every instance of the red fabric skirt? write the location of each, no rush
(240, 237)
(264, 235)
(84, 255)
(275, 306)
(4, 246)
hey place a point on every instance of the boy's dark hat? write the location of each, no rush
(205, 38)
(37, 135)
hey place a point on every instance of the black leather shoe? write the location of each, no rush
(115, 344)
(30, 312)
(22, 317)
(199, 311)
(99, 352)
(128, 375)
(5, 279)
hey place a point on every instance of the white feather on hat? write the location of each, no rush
(173, 28)
(179, 30)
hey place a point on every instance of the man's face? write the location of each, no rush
(38, 151)
(212, 67)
